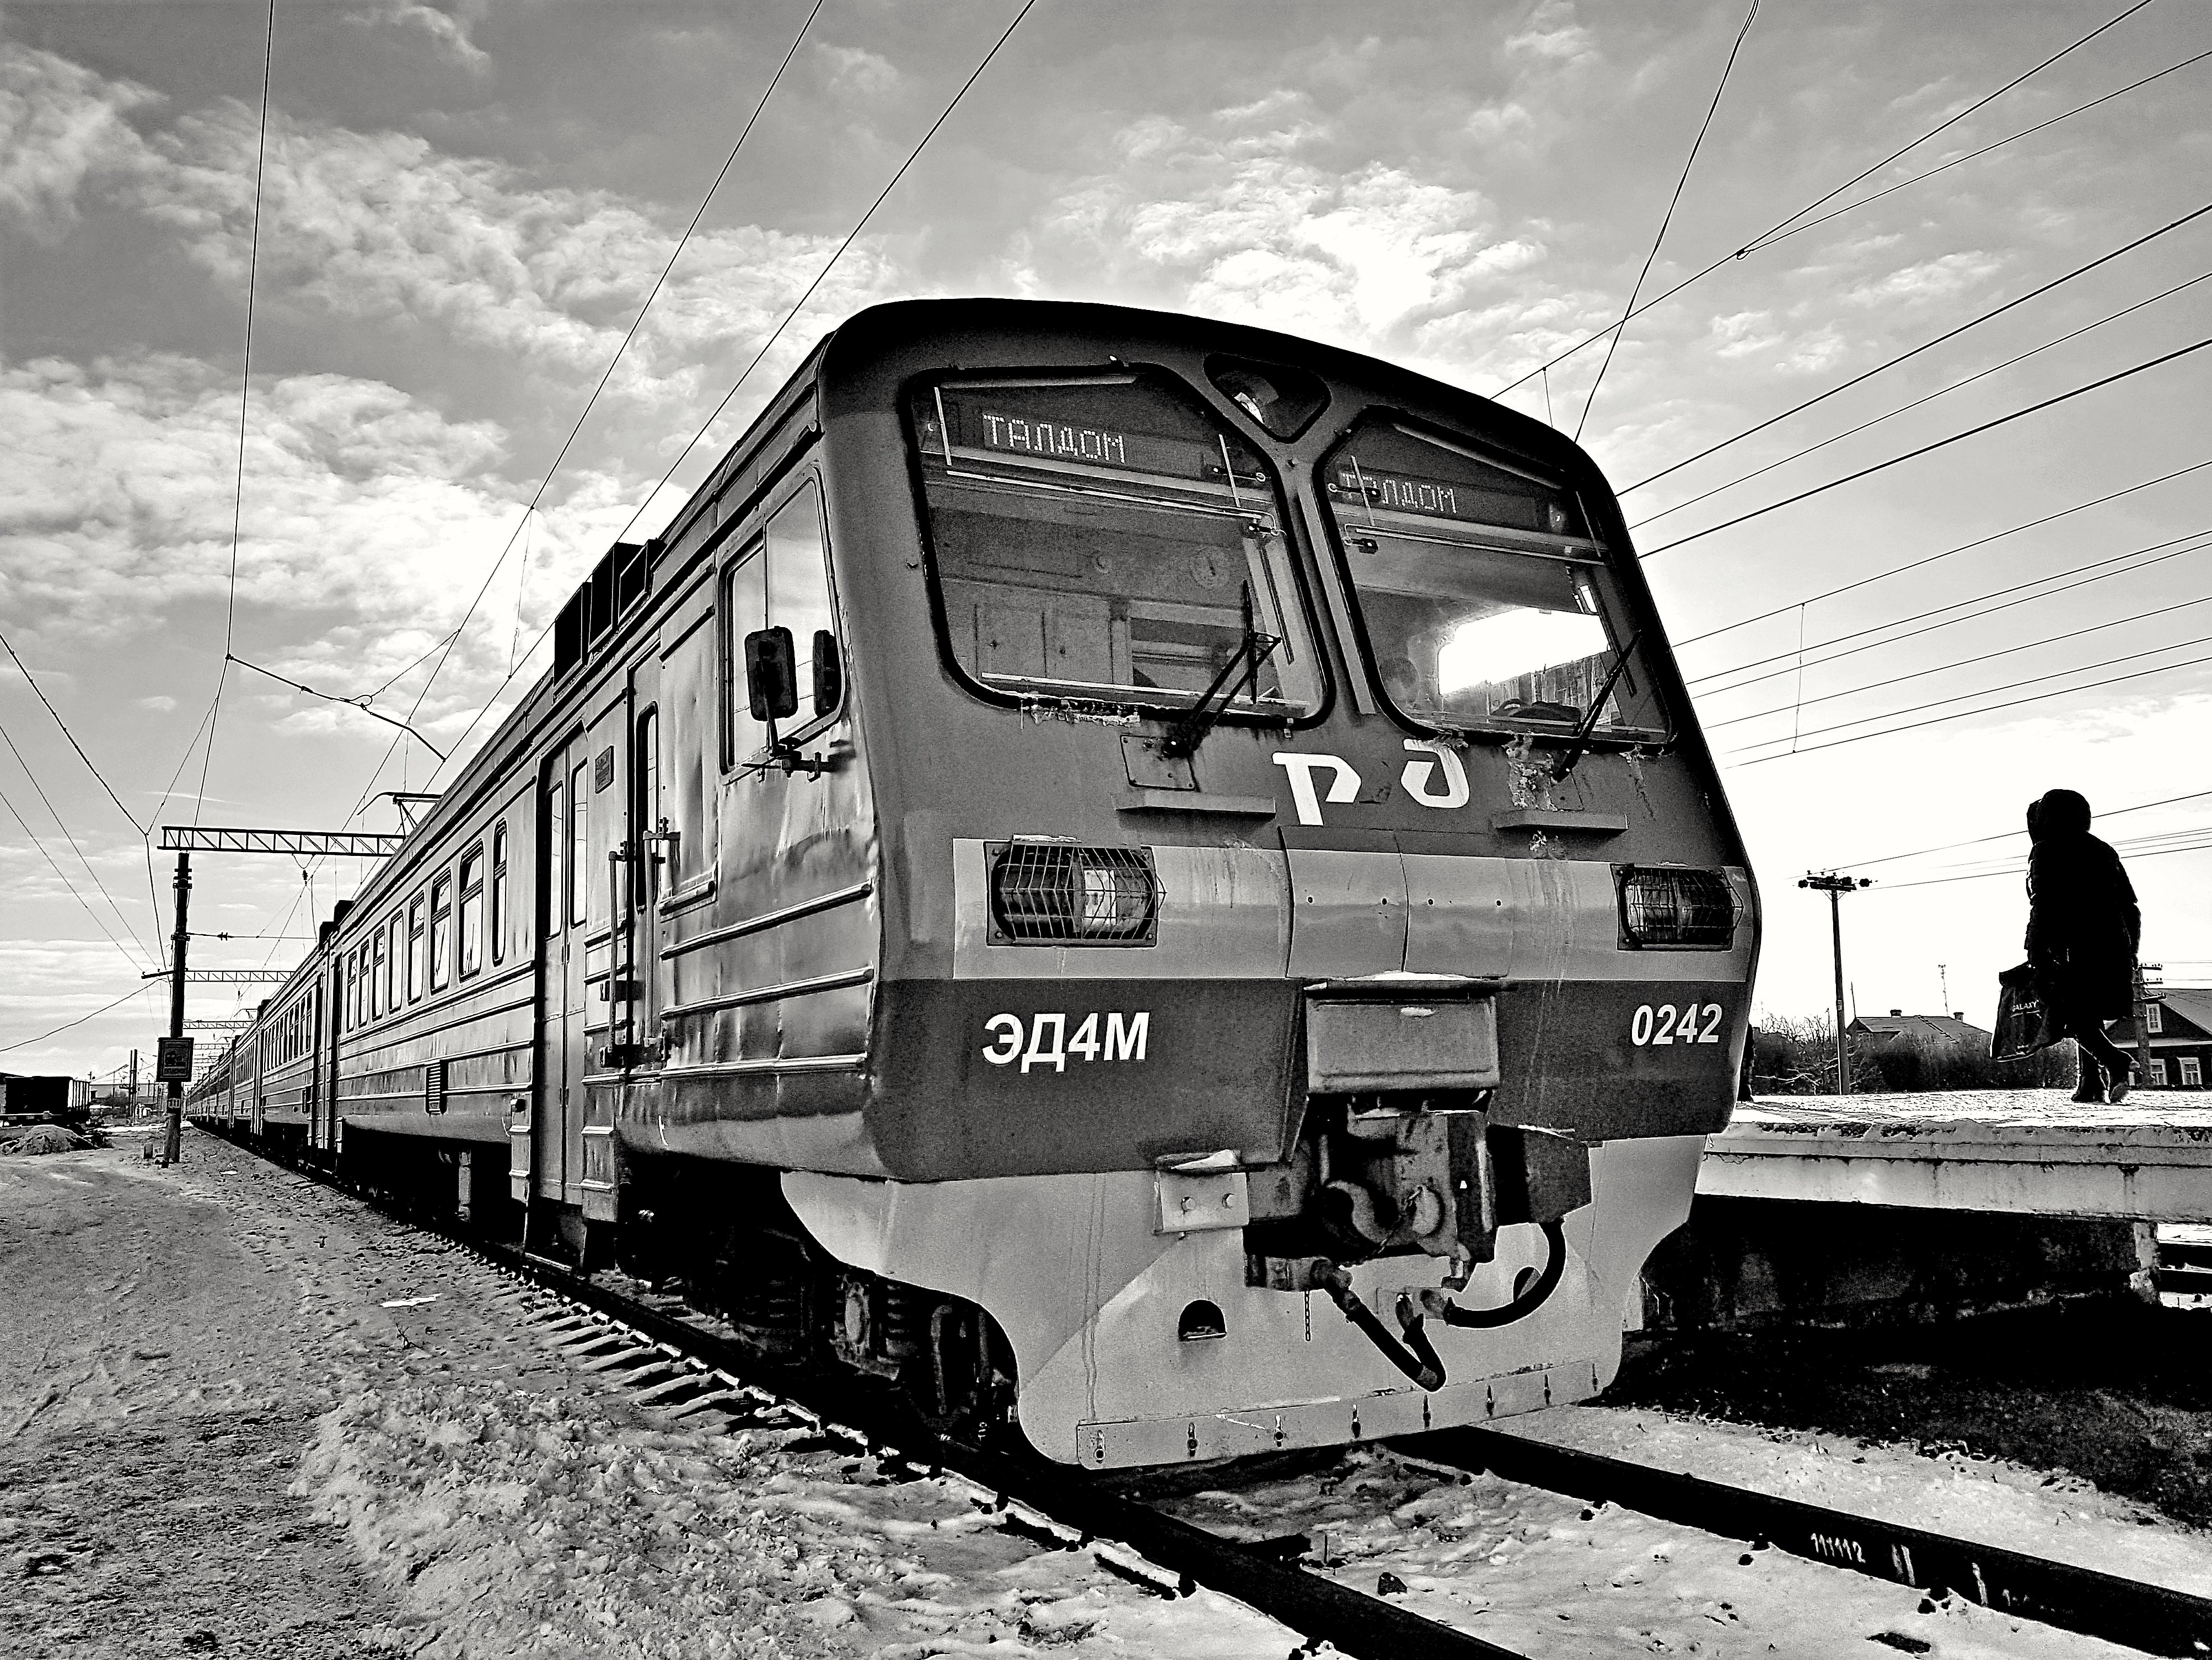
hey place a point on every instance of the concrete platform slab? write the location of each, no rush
(2023, 1151)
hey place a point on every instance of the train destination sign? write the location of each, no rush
(1444, 498)
(1025, 435)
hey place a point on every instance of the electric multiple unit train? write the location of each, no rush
(1146, 878)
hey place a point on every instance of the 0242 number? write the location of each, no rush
(1665, 1025)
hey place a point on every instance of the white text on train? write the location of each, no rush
(1435, 777)
(1004, 432)
(1123, 1038)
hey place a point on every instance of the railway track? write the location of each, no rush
(669, 1358)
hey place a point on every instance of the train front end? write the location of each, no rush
(1314, 942)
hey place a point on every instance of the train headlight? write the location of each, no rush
(1665, 908)
(1057, 893)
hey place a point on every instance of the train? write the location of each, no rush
(1150, 884)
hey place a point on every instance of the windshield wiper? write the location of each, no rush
(1240, 672)
(1576, 751)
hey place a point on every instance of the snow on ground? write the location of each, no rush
(1547, 1575)
(2039, 1513)
(367, 1453)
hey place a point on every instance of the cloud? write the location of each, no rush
(384, 228)
(1553, 37)
(852, 70)
(60, 124)
(1930, 279)
(448, 34)
(1256, 228)
(116, 501)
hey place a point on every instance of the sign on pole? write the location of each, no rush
(173, 1061)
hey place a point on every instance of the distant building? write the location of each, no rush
(2180, 1020)
(1879, 1032)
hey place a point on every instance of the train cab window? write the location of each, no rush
(499, 891)
(1486, 599)
(441, 932)
(781, 580)
(472, 903)
(1107, 540)
(414, 949)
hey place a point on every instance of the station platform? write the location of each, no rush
(2023, 1153)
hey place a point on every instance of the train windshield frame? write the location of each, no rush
(1107, 540)
(1485, 601)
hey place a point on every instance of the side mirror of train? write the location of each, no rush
(829, 673)
(771, 674)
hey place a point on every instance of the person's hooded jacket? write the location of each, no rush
(2083, 927)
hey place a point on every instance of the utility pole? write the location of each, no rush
(172, 1145)
(1944, 978)
(1836, 887)
(2144, 986)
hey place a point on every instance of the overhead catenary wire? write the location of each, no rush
(1929, 448)
(2000, 835)
(1931, 558)
(1962, 662)
(1930, 345)
(1983, 149)
(359, 703)
(245, 387)
(67, 835)
(775, 334)
(1773, 232)
(1961, 714)
(1666, 219)
(862, 224)
(453, 640)
(1926, 398)
(136, 963)
(23, 668)
(1796, 662)
(56, 1031)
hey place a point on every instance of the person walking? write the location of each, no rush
(2083, 930)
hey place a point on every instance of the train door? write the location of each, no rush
(646, 859)
(604, 848)
(260, 1052)
(327, 1138)
(564, 864)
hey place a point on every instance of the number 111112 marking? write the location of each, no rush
(1666, 1025)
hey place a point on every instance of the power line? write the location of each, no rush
(1975, 842)
(454, 639)
(1928, 397)
(882, 195)
(135, 961)
(1793, 662)
(1929, 345)
(68, 837)
(1773, 232)
(1973, 155)
(1924, 449)
(56, 1031)
(245, 385)
(1961, 714)
(1673, 202)
(1929, 559)
(25, 670)
(773, 335)
(360, 703)
(2015, 870)
(1962, 662)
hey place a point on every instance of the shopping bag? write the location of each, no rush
(2020, 1023)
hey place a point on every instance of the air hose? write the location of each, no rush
(1416, 1357)
(1524, 1306)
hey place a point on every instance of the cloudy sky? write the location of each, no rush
(463, 206)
